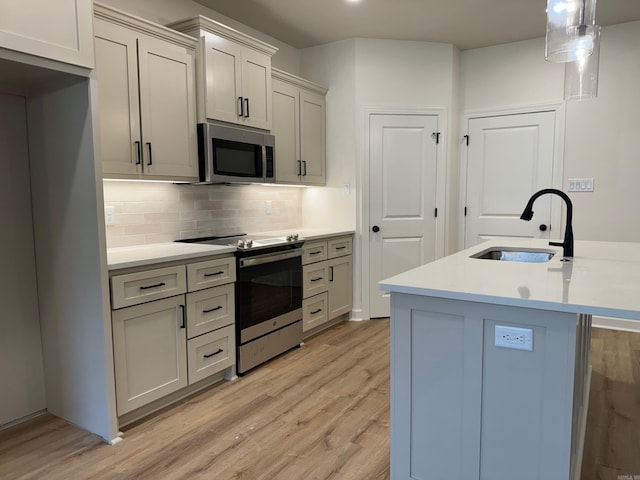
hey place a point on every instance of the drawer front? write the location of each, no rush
(210, 309)
(134, 288)
(314, 311)
(210, 353)
(339, 247)
(315, 279)
(211, 273)
(314, 252)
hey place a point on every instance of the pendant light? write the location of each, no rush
(581, 76)
(570, 29)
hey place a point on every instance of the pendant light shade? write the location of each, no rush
(570, 29)
(581, 76)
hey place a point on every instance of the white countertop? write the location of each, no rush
(602, 279)
(306, 233)
(140, 255)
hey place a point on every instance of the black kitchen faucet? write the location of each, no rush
(527, 214)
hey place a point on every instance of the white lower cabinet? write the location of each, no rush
(327, 283)
(149, 347)
(171, 339)
(211, 352)
(315, 311)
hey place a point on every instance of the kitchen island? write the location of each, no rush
(489, 359)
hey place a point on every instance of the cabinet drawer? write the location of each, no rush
(134, 288)
(211, 273)
(314, 311)
(338, 247)
(314, 252)
(210, 309)
(211, 353)
(315, 279)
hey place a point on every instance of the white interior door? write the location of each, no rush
(402, 198)
(509, 158)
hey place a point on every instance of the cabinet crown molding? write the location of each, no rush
(194, 26)
(142, 25)
(298, 81)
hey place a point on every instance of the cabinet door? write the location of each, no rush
(119, 103)
(286, 128)
(55, 29)
(150, 352)
(168, 110)
(223, 64)
(256, 88)
(312, 138)
(340, 286)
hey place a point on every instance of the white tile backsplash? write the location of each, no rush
(147, 212)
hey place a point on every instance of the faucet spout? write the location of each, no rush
(567, 243)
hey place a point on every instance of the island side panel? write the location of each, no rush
(462, 408)
(436, 388)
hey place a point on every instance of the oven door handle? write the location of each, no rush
(269, 257)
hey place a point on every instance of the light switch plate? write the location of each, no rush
(580, 185)
(109, 215)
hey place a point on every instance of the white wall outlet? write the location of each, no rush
(581, 184)
(514, 337)
(267, 207)
(109, 215)
(346, 189)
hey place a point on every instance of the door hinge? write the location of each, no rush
(466, 139)
(436, 135)
(465, 211)
(436, 212)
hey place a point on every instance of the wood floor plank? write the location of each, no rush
(318, 412)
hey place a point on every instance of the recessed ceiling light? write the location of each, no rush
(353, 1)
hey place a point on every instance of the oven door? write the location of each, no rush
(268, 293)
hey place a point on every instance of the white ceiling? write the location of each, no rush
(464, 23)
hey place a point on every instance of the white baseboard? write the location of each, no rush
(616, 324)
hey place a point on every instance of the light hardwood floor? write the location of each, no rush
(319, 412)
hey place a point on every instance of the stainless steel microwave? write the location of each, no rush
(234, 155)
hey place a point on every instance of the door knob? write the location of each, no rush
(375, 229)
(543, 227)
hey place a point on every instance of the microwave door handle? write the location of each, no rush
(207, 150)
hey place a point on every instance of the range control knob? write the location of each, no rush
(240, 243)
(295, 237)
(248, 243)
(289, 238)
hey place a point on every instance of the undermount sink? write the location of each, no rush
(508, 254)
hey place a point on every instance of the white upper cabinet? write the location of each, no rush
(147, 105)
(234, 74)
(60, 30)
(299, 127)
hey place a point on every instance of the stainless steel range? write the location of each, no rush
(268, 295)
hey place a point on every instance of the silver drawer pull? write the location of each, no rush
(143, 287)
(214, 274)
(212, 309)
(214, 353)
